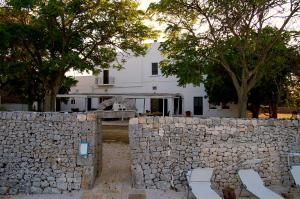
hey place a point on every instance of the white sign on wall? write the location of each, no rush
(83, 148)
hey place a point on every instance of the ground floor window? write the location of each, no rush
(73, 101)
(159, 106)
(198, 105)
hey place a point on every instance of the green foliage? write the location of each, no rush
(68, 82)
(187, 61)
(54, 36)
(183, 60)
(240, 36)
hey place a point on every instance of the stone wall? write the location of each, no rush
(39, 152)
(163, 149)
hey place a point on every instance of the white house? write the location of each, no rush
(141, 80)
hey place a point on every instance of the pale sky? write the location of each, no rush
(145, 3)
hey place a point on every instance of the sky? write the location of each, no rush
(143, 6)
(145, 3)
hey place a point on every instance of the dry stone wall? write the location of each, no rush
(39, 152)
(164, 148)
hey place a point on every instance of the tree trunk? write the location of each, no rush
(272, 109)
(242, 102)
(49, 103)
(255, 109)
(52, 89)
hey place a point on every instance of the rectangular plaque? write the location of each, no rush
(83, 148)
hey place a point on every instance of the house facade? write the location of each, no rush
(141, 81)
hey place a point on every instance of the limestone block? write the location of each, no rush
(91, 117)
(81, 117)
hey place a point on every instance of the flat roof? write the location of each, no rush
(125, 95)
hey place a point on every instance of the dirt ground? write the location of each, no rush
(115, 132)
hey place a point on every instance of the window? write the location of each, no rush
(154, 68)
(159, 106)
(105, 76)
(73, 101)
(198, 105)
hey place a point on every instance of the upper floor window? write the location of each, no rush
(154, 68)
(105, 76)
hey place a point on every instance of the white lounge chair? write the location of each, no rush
(200, 185)
(295, 170)
(254, 184)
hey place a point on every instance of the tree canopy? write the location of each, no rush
(230, 33)
(219, 87)
(49, 37)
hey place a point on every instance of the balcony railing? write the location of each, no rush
(100, 81)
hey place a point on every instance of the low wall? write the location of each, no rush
(163, 149)
(39, 152)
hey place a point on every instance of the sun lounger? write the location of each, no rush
(254, 184)
(295, 170)
(200, 185)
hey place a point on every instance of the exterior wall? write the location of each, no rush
(164, 148)
(39, 152)
(136, 77)
(80, 103)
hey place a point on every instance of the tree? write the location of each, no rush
(273, 87)
(209, 24)
(217, 82)
(57, 35)
(16, 81)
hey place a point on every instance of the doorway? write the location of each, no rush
(89, 104)
(159, 105)
(178, 106)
